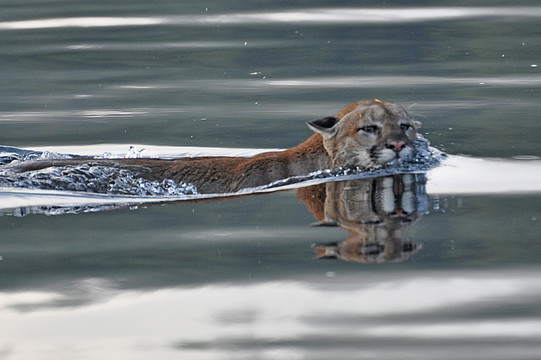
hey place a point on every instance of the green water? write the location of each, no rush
(239, 278)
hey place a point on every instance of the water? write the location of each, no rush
(453, 278)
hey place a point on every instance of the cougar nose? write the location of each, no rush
(396, 146)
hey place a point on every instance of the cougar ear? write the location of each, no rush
(325, 126)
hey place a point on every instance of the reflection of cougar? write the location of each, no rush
(364, 134)
(376, 212)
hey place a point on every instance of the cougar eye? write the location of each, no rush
(369, 128)
(405, 126)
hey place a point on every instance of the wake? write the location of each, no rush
(84, 188)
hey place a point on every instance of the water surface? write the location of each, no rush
(241, 278)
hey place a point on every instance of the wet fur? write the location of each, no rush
(338, 142)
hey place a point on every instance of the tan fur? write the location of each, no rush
(348, 145)
(340, 141)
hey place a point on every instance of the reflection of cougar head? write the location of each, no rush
(376, 212)
(367, 134)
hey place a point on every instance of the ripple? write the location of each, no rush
(338, 82)
(405, 81)
(313, 16)
(84, 22)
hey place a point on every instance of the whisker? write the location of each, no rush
(412, 105)
(414, 114)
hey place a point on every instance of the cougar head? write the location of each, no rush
(367, 134)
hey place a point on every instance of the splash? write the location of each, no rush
(10, 155)
(96, 179)
(85, 178)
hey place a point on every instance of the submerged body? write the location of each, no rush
(365, 134)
